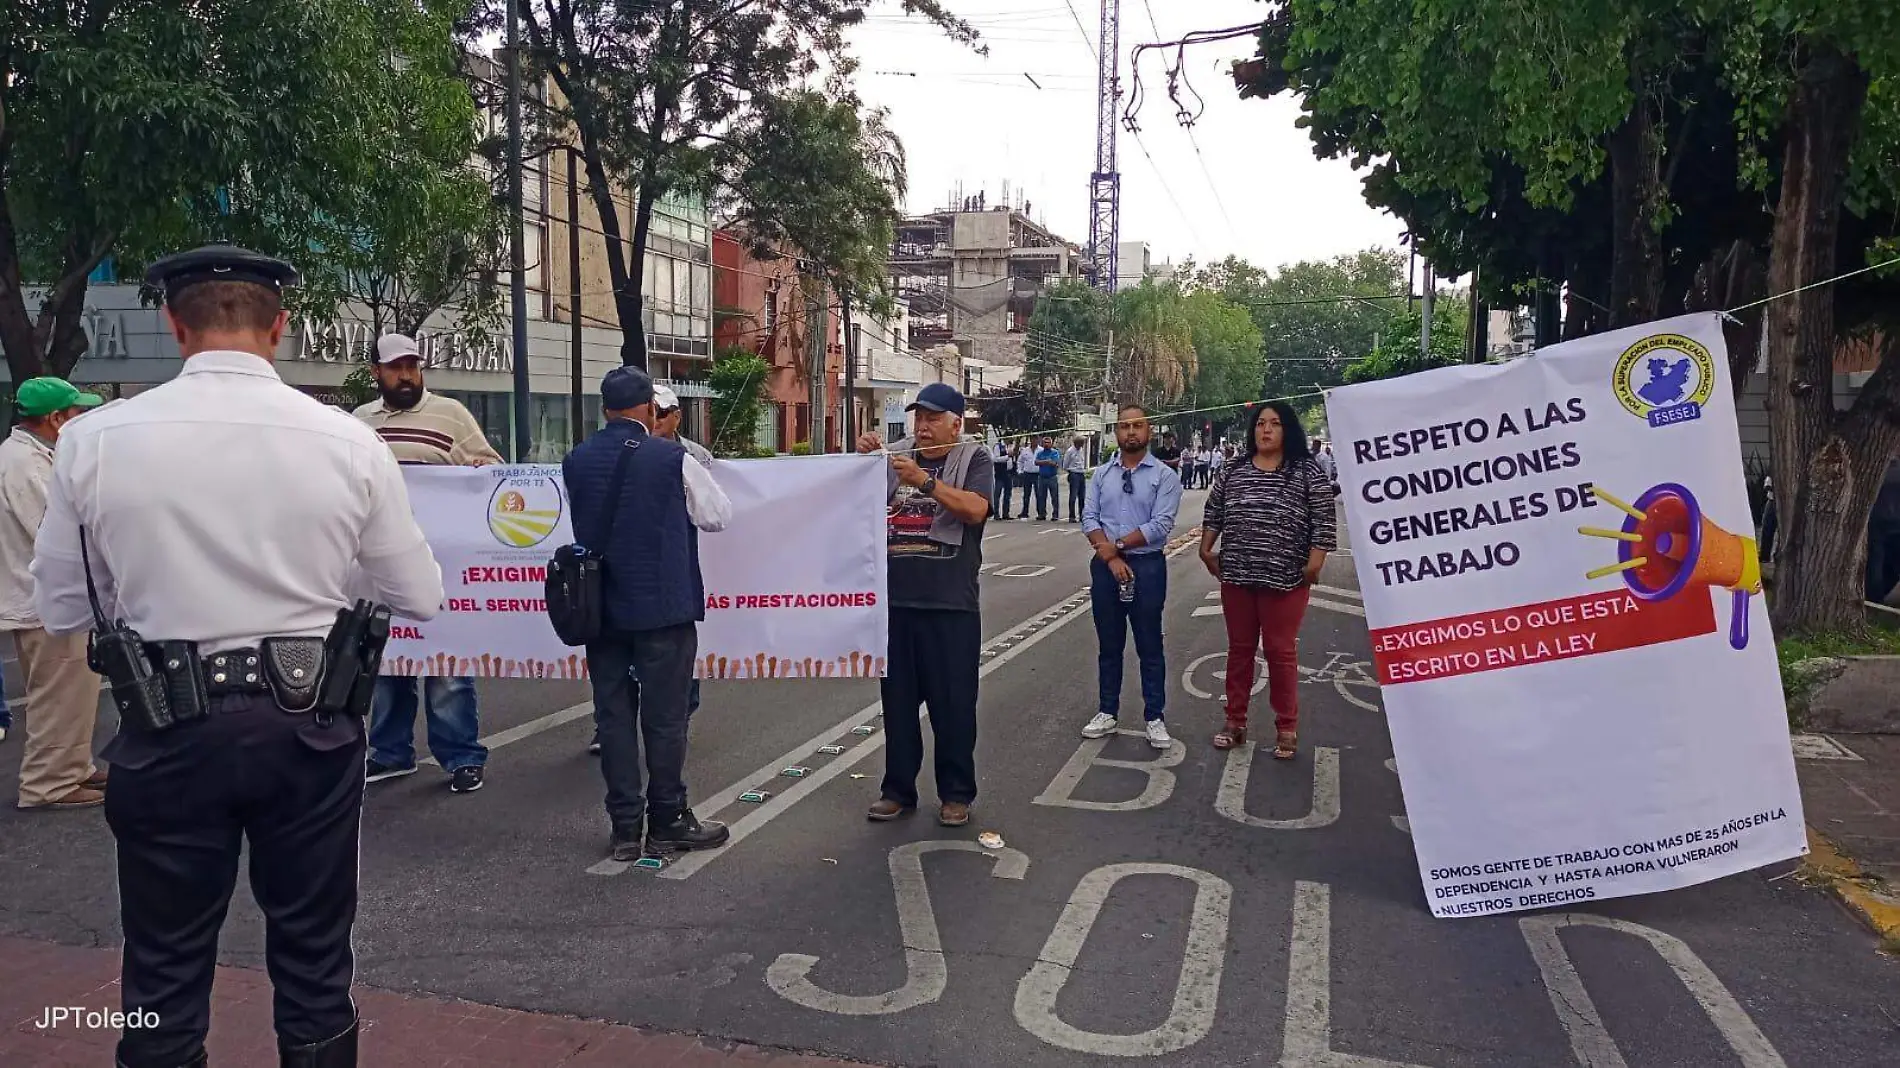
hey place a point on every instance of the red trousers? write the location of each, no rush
(1269, 620)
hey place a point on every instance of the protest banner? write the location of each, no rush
(794, 585)
(1561, 580)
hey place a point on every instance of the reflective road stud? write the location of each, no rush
(865, 729)
(795, 772)
(650, 863)
(755, 797)
(831, 750)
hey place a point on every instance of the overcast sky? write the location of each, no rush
(979, 121)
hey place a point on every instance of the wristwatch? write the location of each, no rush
(929, 488)
(1120, 545)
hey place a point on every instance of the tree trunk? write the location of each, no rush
(1826, 469)
(1730, 278)
(629, 298)
(17, 336)
(1636, 265)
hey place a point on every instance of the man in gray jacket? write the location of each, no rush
(939, 501)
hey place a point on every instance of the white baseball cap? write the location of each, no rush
(664, 399)
(393, 347)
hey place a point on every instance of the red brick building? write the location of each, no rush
(759, 306)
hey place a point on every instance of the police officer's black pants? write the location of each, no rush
(182, 804)
(933, 662)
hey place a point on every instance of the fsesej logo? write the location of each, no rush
(1665, 379)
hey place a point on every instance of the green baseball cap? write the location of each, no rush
(44, 396)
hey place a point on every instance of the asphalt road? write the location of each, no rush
(1183, 908)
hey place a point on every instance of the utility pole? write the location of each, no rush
(850, 372)
(1430, 303)
(577, 411)
(517, 255)
(815, 330)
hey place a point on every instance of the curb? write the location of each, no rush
(1866, 896)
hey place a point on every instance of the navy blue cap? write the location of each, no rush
(938, 397)
(219, 263)
(625, 388)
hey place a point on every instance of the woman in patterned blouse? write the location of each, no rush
(1271, 511)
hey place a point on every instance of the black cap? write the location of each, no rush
(938, 397)
(625, 388)
(219, 263)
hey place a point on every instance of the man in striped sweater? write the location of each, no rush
(424, 428)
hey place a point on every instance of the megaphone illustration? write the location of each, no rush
(1666, 546)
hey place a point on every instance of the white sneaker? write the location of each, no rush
(1101, 726)
(1158, 734)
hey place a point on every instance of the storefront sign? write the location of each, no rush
(349, 341)
(1564, 593)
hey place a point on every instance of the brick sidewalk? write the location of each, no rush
(399, 1031)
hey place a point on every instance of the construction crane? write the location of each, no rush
(1105, 185)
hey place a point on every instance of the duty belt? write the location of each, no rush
(233, 671)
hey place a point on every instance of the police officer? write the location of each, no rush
(227, 518)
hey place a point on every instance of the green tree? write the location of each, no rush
(1228, 354)
(137, 128)
(1066, 351)
(659, 98)
(429, 230)
(1315, 317)
(1154, 357)
(1501, 135)
(738, 385)
(1398, 351)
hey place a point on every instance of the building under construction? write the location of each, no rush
(971, 274)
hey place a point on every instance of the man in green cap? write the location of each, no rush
(62, 693)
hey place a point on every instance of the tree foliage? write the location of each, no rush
(738, 385)
(665, 98)
(1315, 317)
(1649, 158)
(1398, 351)
(133, 129)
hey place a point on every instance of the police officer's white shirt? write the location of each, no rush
(224, 507)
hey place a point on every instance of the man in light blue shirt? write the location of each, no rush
(1075, 464)
(1048, 464)
(1132, 503)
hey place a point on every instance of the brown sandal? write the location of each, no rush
(1230, 738)
(1286, 746)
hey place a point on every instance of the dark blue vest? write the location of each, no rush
(652, 570)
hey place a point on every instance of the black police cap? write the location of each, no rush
(219, 263)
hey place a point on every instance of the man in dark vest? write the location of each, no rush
(642, 666)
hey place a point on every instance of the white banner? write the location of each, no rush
(794, 586)
(1560, 575)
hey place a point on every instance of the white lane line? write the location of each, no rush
(531, 728)
(1338, 606)
(1308, 1041)
(1064, 612)
(1207, 610)
(1212, 595)
(1340, 591)
(758, 817)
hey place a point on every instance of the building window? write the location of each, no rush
(702, 288)
(533, 241)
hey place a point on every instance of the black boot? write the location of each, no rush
(338, 1052)
(681, 832)
(628, 843)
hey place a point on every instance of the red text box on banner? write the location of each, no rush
(1537, 633)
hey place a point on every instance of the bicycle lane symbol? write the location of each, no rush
(1345, 673)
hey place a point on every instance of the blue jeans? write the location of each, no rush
(1047, 498)
(999, 492)
(454, 722)
(1113, 621)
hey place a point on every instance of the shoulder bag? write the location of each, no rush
(577, 574)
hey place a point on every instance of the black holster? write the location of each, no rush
(352, 656)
